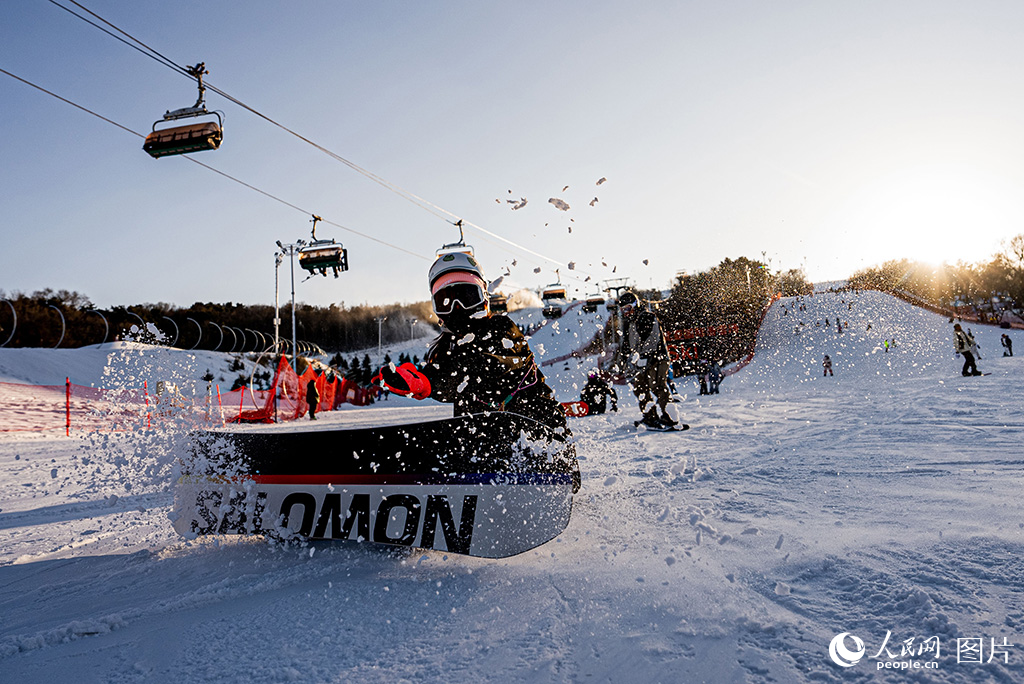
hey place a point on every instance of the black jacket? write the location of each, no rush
(641, 339)
(489, 367)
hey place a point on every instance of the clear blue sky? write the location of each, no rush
(826, 135)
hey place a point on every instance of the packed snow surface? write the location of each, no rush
(883, 503)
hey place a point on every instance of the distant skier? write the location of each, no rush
(312, 398)
(827, 365)
(714, 377)
(479, 362)
(966, 346)
(596, 393)
(643, 357)
(1007, 345)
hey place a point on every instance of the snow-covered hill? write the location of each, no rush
(882, 502)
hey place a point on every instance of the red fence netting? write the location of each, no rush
(39, 408)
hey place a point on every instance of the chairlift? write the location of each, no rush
(193, 137)
(320, 255)
(555, 298)
(591, 303)
(554, 291)
(454, 247)
(498, 303)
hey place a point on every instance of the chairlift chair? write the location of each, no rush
(499, 303)
(591, 303)
(454, 247)
(186, 138)
(555, 299)
(320, 255)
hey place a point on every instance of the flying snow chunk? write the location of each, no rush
(517, 205)
(537, 270)
(602, 180)
(646, 262)
(572, 265)
(495, 284)
(559, 204)
(593, 201)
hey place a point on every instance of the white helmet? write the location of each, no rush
(455, 261)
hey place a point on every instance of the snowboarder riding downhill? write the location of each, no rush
(643, 356)
(480, 362)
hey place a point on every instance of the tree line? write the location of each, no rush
(728, 299)
(720, 309)
(51, 318)
(986, 287)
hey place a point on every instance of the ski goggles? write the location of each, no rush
(469, 296)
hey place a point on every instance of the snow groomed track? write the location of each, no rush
(881, 502)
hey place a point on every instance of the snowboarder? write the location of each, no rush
(480, 362)
(714, 377)
(1007, 345)
(312, 398)
(643, 357)
(966, 346)
(827, 365)
(596, 392)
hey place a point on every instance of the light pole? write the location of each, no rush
(380, 328)
(278, 258)
(412, 325)
(290, 250)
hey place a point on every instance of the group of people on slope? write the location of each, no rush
(482, 362)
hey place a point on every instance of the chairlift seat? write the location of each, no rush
(455, 249)
(196, 137)
(499, 304)
(591, 303)
(322, 255)
(554, 293)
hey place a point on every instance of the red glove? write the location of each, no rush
(405, 380)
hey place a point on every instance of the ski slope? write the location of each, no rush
(881, 501)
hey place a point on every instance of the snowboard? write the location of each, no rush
(679, 427)
(575, 409)
(491, 485)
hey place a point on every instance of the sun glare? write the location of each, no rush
(935, 214)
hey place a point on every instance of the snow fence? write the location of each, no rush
(41, 408)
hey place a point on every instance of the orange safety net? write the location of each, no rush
(36, 408)
(289, 389)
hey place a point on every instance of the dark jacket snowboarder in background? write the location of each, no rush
(643, 357)
(967, 347)
(826, 363)
(596, 392)
(1007, 345)
(312, 398)
(714, 377)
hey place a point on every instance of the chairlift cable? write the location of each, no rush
(421, 202)
(144, 49)
(217, 171)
